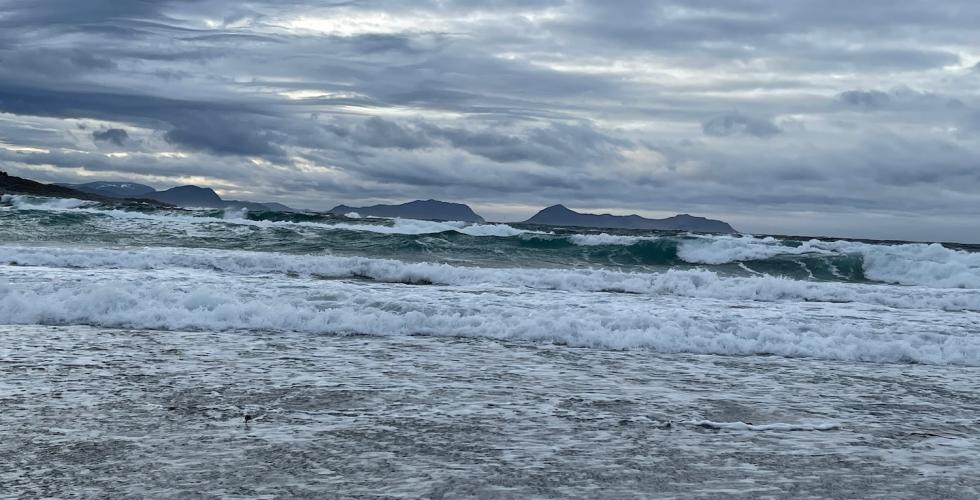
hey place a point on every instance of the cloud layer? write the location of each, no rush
(841, 118)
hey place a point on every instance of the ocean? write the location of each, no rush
(205, 353)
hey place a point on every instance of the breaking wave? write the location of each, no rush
(924, 264)
(696, 283)
(24, 202)
(917, 264)
(174, 300)
(72, 262)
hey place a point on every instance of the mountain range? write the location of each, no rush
(559, 215)
(181, 196)
(10, 184)
(418, 209)
(195, 196)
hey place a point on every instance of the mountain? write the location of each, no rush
(188, 196)
(559, 215)
(18, 185)
(112, 189)
(278, 207)
(181, 196)
(418, 209)
(196, 196)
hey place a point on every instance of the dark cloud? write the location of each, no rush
(53, 62)
(555, 145)
(115, 136)
(378, 133)
(738, 124)
(510, 102)
(225, 128)
(225, 134)
(866, 100)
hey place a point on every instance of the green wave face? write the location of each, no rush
(454, 243)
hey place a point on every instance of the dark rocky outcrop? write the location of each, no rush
(196, 196)
(559, 215)
(418, 209)
(189, 196)
(112, 189)
(107, 192)
(10, 184)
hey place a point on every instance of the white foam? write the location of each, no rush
(686, 283)
(236, 213)
(725, 249)
(606, 239)
(412, 226)
(925, 264)
(24, 202)
(174, 299)
(928, 264)
(232, 216)
(919, 264)
(931, 265)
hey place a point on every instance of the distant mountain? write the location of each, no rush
(418, 209)
(559, 215)
(10, 184)
(182, 196)
(196, 196)
(112, 189)
(278, 207)
(188, 196)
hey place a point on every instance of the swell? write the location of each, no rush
(693, 283)
(209, 300)
(494, 245)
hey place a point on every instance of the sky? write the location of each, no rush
(856, 118)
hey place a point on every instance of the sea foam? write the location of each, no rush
(918, 264)
(698, 283)
(175, 299)
(925, 264)
(25, 202)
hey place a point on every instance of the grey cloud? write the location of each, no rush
(378, 133)
(137, 164)
(901, 99)
(555, 145)
(866, 100)
(613, 104)
(115, 136)
(733, 124)
(221, 129)
(232, 134)
(53, 12)
(53, 62)
(970, 123)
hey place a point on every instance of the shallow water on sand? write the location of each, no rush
(90, 412)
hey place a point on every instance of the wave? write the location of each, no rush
(922, 264)
(727, 249)
(412, 226)
(175, 300)
(242, 217)
(25, 202)
(695, 283)
(916, 264)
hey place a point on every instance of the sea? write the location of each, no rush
(151, 352)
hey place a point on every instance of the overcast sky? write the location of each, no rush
(847, 118)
